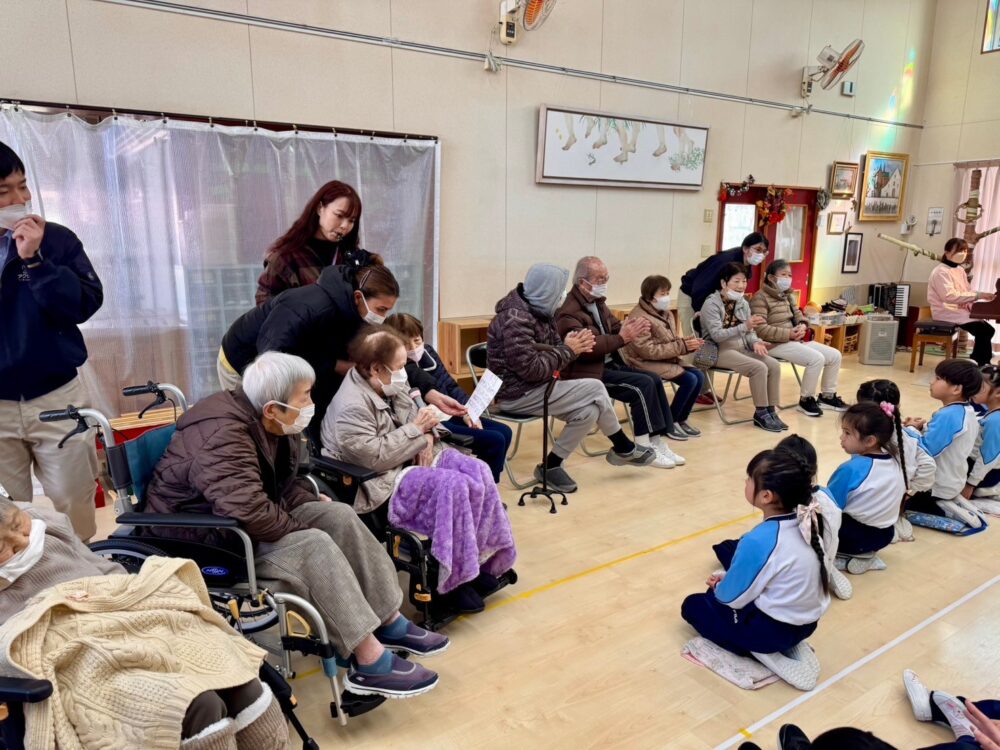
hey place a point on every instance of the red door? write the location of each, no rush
(794, 238)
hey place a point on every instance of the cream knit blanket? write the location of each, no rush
(125, 654)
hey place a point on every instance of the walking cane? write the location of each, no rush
(543, 488)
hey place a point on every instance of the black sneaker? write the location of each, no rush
(809, 407)
(834, 402)
(765, 422)
(676, 433)
(790, 737)
(689, 430)
(557, 479)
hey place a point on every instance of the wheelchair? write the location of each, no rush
(230, 576)
(411, 553)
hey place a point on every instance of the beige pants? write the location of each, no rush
(764, 373)
(68, 474)
(229, 379)
(817, 358)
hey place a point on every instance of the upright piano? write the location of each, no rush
(987, 309)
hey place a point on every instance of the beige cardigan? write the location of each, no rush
(126, 656)
(660, 350)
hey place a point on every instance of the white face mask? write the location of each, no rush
(959, 257)
(416, 355)
(734, 295)
(374, 318)
(783, 283)
(598, 290)
(27, 558)
(662, 303)
(757, 258)
(398, 384)
(306, 413)
(10, 215)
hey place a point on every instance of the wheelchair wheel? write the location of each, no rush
(254, 617)
(128, 553)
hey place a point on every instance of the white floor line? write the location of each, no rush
(756, 726)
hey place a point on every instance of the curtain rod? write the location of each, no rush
(482, 57)
(97, 113)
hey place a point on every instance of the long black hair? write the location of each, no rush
(879, 391)
(789, 476)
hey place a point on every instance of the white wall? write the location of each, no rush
(495, 220)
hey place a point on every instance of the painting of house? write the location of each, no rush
(884, 186)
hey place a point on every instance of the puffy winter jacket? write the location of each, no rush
(574, 315)
(775, 306)
(221, 460)
(523, 347)
(661, 348)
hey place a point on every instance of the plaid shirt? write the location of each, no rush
(302, 266)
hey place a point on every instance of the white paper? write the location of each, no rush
(484, 394)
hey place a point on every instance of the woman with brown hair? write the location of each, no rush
(325, 234)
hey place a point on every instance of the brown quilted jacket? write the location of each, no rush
(781, 316)
(659, 350)
(221, 460)
(523, 347)
(573, 316)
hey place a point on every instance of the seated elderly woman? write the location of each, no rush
(235, 454)
(443, 494)
(159, 668)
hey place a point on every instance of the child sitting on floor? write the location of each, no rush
(982, 488)
(920, 466)
(490, 439)
(950, 437)
(868, 486)
(774, 587)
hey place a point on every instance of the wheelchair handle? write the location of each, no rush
(82, 425)
(57, 415)
(159, 390)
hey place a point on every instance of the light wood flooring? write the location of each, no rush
(584, 652)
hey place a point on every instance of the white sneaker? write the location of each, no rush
(662, 462)
(858, 564)
(920, 696)
(664, 450)
(989, 506)
(903, 530)
(840, 586)
(953, 510)
(963, 503)
(955, 713)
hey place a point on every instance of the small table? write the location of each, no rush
(836, 335)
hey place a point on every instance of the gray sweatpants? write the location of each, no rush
(578, 403)
(339, 567)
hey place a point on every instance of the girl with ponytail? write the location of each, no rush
(868, 486)
(774, 585)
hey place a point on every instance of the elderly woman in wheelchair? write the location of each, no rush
(136, 661)
(236, 454)
(419, 486)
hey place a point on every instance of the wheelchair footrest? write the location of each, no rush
(309, 647)
(355, 705)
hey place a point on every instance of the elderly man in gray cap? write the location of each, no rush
(525, 350)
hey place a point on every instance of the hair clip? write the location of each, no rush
(888, 408)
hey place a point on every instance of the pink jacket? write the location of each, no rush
(949, 294)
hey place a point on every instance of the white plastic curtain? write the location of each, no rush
(986, 265)
(176, 217)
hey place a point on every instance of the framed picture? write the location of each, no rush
(836, 222)
(851, 262)
(843, 179)
(884, 186)
(579, 147)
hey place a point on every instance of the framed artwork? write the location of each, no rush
(843, 179)
(579, 147)
(884, 186)
(836, 222)
(851, 262)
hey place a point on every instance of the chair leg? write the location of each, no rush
(519, 485)
(920, 359)
(736, 390)
(913, 355)
(798, 379)
(725, 394)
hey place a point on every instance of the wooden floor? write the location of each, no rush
(585, 650)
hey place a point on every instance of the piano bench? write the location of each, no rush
(947, 341)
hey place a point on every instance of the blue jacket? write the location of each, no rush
(431, 364)
(40, 311)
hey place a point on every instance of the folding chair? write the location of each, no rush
(798, 379)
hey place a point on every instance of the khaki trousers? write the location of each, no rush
(764, 373)
(68, 474)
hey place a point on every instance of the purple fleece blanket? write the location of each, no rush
(457, 505)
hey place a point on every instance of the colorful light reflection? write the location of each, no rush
(900, 103)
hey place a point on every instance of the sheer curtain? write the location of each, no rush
(176, 217)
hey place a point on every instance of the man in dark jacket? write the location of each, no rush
(47, 289)
(703, 279)
(586, 308)
(526, 352)
(235, 454)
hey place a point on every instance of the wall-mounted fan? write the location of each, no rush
(529, 14)
(833, 67)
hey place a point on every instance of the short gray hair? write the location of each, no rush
(584, 266)
(273, 376)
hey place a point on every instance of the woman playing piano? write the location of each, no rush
(950, 297)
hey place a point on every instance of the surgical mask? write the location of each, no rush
(783, 284)
(10, 215)
(959, 258)
(598, 290)
(757, 258)
(662, 303)
(734, 295)
(27, 558)
(374, 318)
(306, 413)
(398, 384)
(416, 355)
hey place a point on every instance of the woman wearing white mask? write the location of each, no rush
(727, 321)
(785, 327)
(236, 454)
(950, 296)
(660, 349)
(420, 486)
